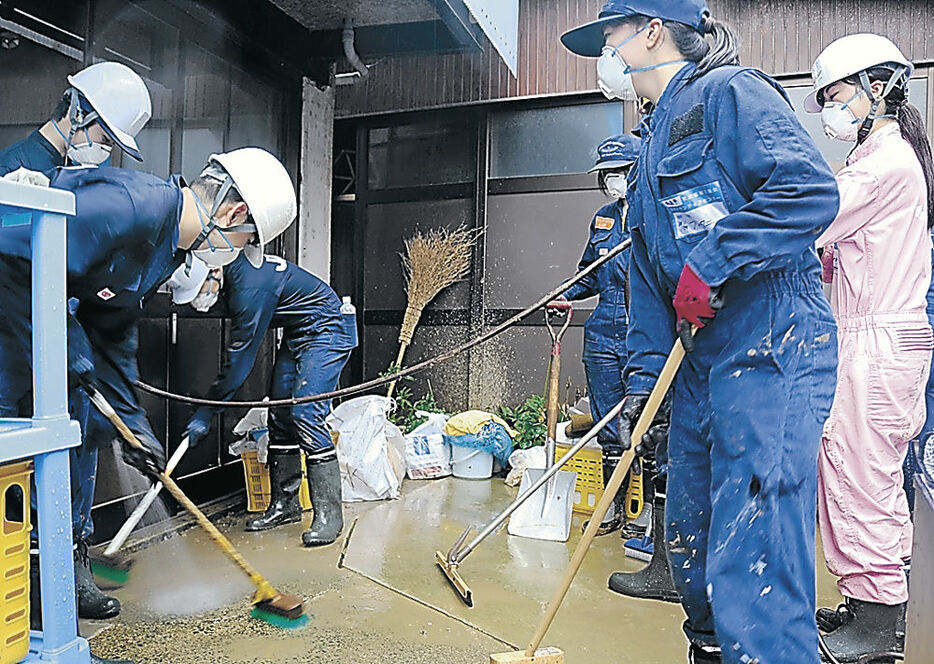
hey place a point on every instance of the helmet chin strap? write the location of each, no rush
(871, 118)
(211, 225)
(78, 118)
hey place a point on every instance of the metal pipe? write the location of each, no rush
(350, 51)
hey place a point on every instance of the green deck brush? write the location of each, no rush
(110, 572)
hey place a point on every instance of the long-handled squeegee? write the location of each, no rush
(449, 563)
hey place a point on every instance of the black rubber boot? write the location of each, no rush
(867, 627)
(285, 481)
(654, 580)
(35, 608)
(704, 655)
(92, 603)
(830, 619)
(324, 483)
(613, 520)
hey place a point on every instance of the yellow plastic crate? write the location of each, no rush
(14, 561)
(258, 493)
(588, 464)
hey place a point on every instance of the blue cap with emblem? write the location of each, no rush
(616, 152)
(587, 39)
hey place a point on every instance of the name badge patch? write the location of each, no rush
(106, 294)
(603, 251)
(696, 210)
(604, 223)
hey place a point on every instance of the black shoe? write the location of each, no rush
(92, 603)
(324, 483)
(285, 481)
(99, 660)
(867, 628)
(704, 655)
(654, 580)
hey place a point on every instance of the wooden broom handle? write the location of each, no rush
(664, 381)
(392, 386)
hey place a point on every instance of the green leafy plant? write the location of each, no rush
(407, 404)
(528, 419)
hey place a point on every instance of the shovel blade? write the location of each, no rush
(545, 515)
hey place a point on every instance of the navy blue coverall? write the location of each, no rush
(605, 330)
(730, 183)
(36, 154)
(122, 245)
(316, 344)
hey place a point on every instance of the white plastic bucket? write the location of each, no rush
(470, 464)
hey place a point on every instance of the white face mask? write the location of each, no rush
(613, 76)
(88, 154)
(616, 185)
(218, 256)
(839, 121)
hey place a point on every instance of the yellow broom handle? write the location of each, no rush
(257, 579)
(262, 585)
(664, 381)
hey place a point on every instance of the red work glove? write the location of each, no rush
(826, 261)
(695, 304)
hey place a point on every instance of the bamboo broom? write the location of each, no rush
(432, 261)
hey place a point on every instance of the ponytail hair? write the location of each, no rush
(911, 125)
(722, 48)
(725, 47)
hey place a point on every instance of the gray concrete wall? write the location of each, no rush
(314, 221)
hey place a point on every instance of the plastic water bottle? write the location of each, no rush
(347, 308)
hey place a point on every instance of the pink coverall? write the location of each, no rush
(881, 273)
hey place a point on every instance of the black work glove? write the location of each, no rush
(658, 431)
(148, 459)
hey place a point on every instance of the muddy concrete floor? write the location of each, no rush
(388, 603)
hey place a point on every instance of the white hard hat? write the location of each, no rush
(186, 282)
(848, 56)
(267, 190)
(120, 98)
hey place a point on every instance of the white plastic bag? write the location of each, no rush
(426, 455)
(253, 434)
(370, 451)
(519, 460)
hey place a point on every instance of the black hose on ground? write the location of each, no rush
(421, 366)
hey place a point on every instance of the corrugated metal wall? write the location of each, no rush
(778, 36)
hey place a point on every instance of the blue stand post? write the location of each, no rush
(47, 436)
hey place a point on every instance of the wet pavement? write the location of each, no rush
(185, 602)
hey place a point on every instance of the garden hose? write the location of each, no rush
(421, 366)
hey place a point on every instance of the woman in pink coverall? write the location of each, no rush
(878, 260)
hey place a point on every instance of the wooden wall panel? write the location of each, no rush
(781, 37)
